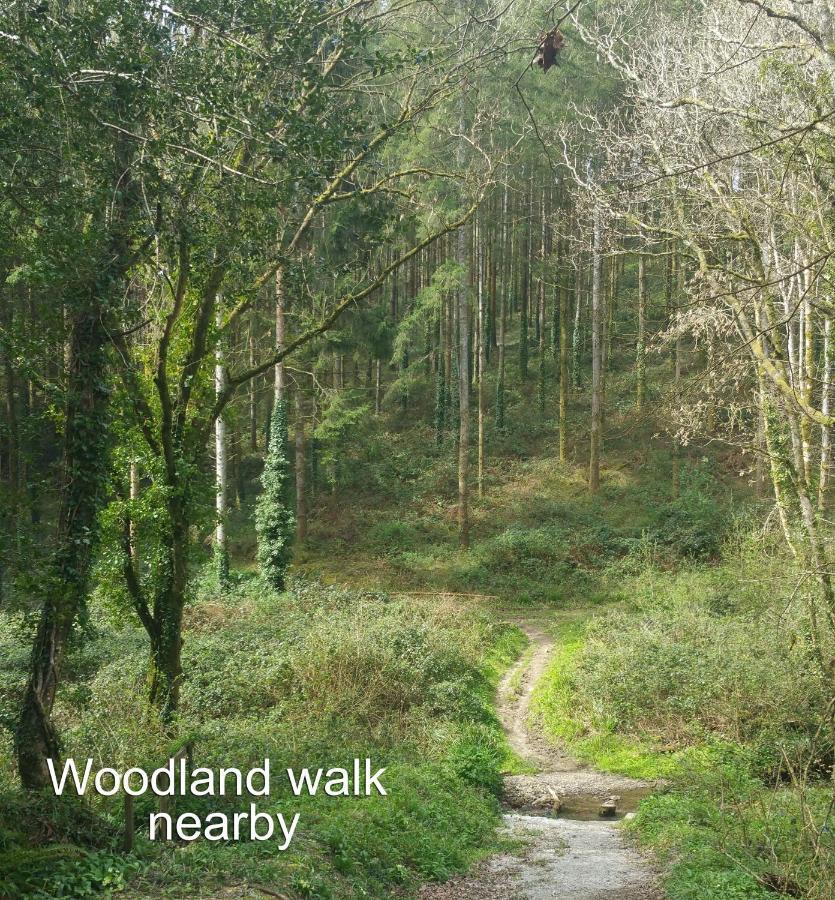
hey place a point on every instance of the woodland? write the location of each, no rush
(350, 347)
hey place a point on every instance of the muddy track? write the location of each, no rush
(567, 850)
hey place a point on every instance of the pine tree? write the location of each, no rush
(274, 519)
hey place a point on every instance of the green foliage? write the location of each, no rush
(221, 560)
(274, 519)
(343, 417)
(691, 665)
(695, 682)
(63, 871)
(476, 757)
(340, 674)
(724, 834)
(426, 306)
(693, 523)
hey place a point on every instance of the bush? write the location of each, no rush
(476, 756)
(391, 535)
(679, 673)
(693, 524)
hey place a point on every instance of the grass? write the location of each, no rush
(554, 703)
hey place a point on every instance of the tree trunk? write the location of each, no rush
(507, 280)
(540, 314)
(83, 478)
(564, 312)
(301, 499)
(12, 461)
(575, 337)
(640, 353)
(826, 403)
(165, 629)
(133, 493)
(596, 358)
(253, 406)
(678, 271)
(221, 473)
(463, 399)
(482, 362)
(525, 300)
(807, 380)
(65, 588)
(279, 333)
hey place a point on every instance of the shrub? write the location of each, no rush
(679, 673)
(693, 524)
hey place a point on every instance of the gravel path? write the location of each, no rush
(561, 858)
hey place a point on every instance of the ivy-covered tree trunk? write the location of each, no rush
(83, 474)
(166, 624)
(274, 519)
(84, 467)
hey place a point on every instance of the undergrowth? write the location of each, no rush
(704, 678)
(314, 677)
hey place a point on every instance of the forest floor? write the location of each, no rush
(552, 814)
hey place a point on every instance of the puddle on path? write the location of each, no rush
(586, 807)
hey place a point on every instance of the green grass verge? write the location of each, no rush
(554, 702)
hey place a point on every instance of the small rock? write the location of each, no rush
(608, 808)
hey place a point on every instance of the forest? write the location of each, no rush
(417, 414)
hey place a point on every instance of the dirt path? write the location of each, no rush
(569, 851)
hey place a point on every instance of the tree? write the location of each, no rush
(597, 314)
(221, 549)
(564, 374)
(641, 349)
(737, 193)
(82, 209)
(274, 520)
(191, 214)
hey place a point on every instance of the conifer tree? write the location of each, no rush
(274, 519)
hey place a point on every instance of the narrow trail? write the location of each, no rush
(567, 850)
